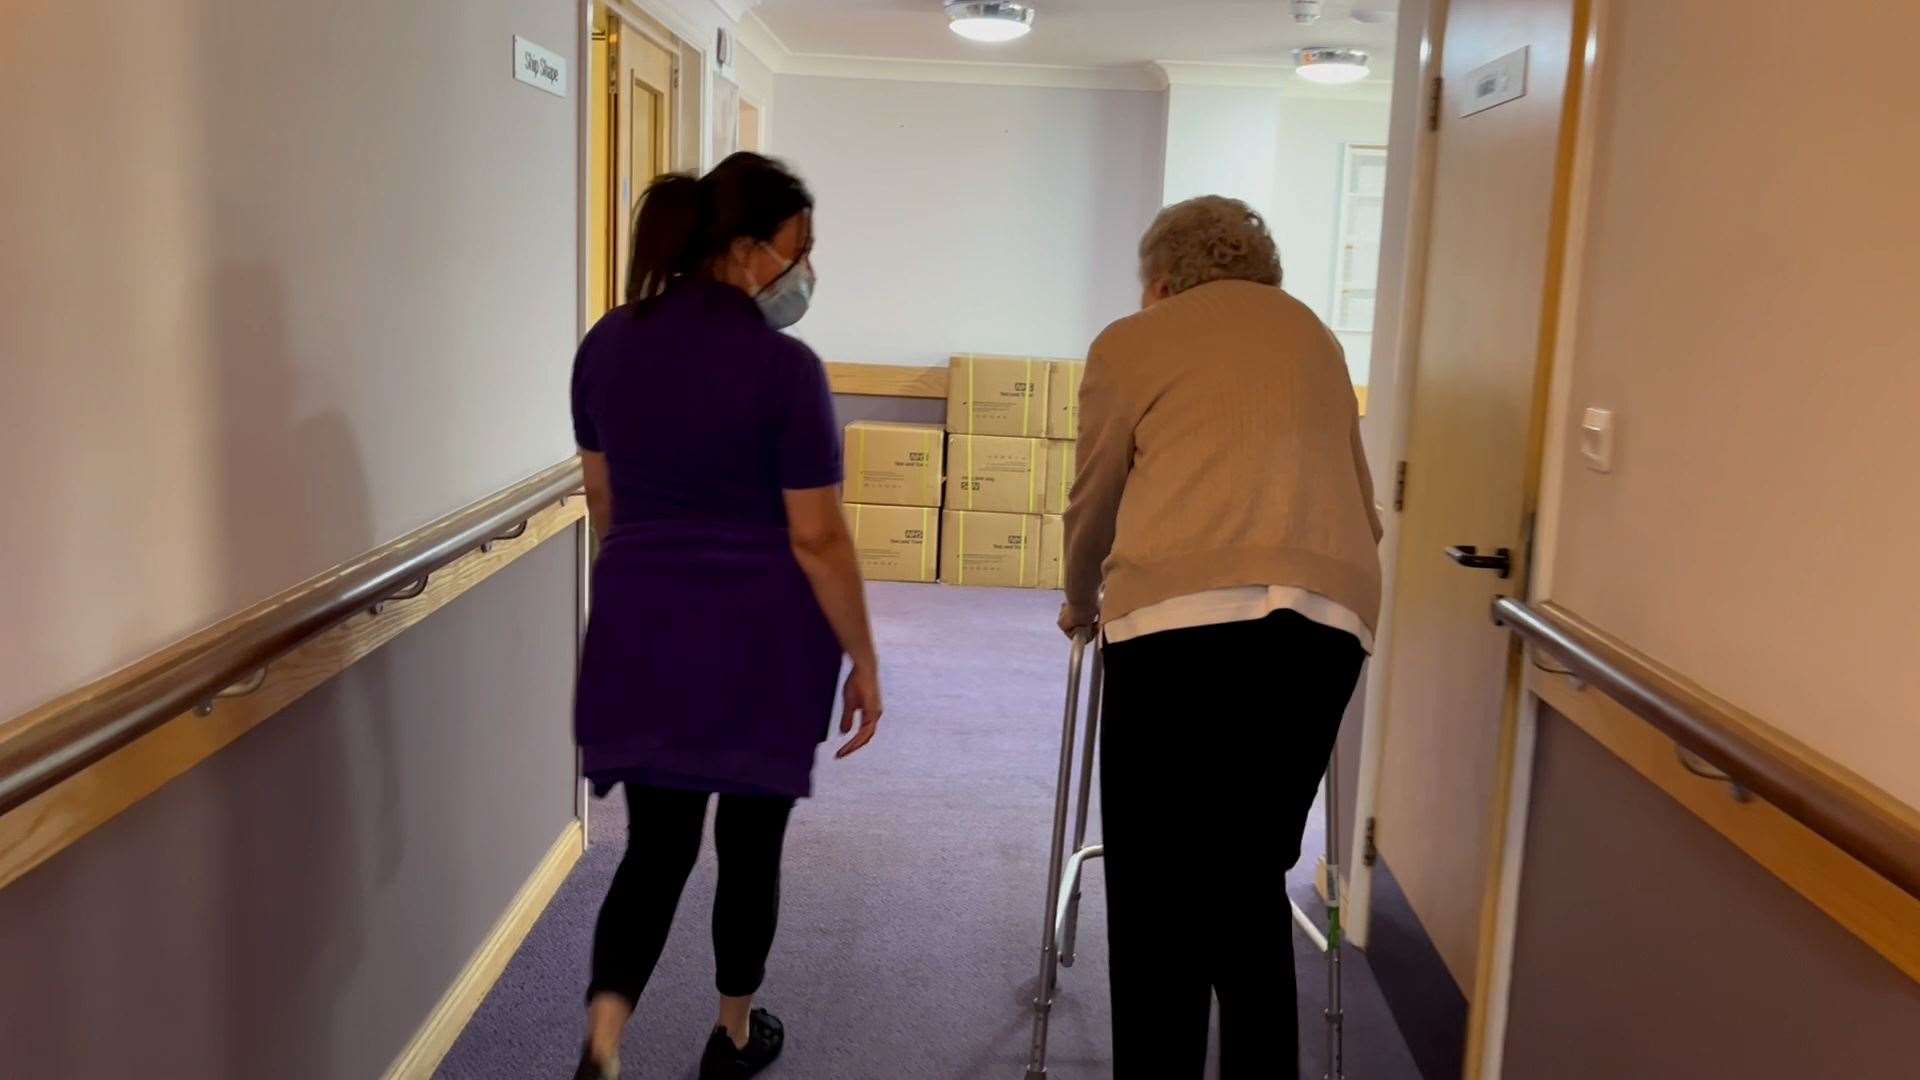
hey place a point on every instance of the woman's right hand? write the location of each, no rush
(1074, 620)
(861, 695)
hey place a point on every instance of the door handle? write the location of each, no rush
(1469, 556)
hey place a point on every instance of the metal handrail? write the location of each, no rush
(48, 745)
(1854, 816)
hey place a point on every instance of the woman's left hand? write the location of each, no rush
(861, 695)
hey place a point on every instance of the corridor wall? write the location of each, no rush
(1740, 309)
(969, 218)
(1752, 342)
(305, 897)
(1720, 970)
(282, 282)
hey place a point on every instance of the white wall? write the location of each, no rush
(1281, 153)
(282, 281)
(1744, 309)
(1306, 200)
(968, 218)
(1222, 140)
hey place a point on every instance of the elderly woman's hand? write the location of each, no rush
(1073, 620)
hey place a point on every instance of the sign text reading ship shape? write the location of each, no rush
(539, 67)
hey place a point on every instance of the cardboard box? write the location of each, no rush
(981, 548)
(1063, 398)
(896, 543)
(893, 464)
(1053, 545)
(997, 395)
(996, 472)
(1062, 466)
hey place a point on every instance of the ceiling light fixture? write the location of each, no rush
(1330, 65)
(989, 20)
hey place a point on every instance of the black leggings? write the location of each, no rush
(663, 841)
(1212, 744)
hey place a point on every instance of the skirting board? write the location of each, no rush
(457, 1006)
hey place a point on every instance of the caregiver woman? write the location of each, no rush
(1222, 528)
(726, 589)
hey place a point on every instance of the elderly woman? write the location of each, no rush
(1222, 532)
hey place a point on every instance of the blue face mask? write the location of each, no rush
(784, 299)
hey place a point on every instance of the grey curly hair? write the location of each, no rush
(1211, 238)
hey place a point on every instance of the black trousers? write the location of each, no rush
(663, 841)
(1212, 746)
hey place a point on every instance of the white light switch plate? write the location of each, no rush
(1596, 439)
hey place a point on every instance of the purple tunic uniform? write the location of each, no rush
(709, 665)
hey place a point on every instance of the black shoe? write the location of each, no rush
(596, 1070)
(724, 1061)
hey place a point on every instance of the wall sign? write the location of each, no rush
(1495, 83)
(541, 67)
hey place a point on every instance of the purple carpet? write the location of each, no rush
(912, 899)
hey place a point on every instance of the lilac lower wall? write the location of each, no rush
(296, 905)
(1649, 946)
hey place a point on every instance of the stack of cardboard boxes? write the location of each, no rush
(892, 495)
(987, 511)
(1011, 426)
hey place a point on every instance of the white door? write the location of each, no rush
(1472, 451)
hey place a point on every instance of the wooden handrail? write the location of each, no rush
(1836, 804)
(41, 748)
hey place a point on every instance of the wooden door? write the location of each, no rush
(643, 109)
(749, 137)
(602, 276)
(1472, 453)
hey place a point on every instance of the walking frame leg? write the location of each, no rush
(1336, 1017)
(1043, 989)
(1070, 928)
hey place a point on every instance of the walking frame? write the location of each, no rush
(1061, 921)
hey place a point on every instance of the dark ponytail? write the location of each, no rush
(684, 224)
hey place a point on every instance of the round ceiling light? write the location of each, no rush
(989, 20)
(1331, 65)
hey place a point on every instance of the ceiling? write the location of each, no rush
(1084, 33)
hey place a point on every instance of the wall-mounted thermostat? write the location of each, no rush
(1495, 83)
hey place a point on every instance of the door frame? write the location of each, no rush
(1488, 1009)
(1507, 817)
(694, 44)
(661, 24)
(636, 14)
(1398, 328)
(645, 65)
(759, 123)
